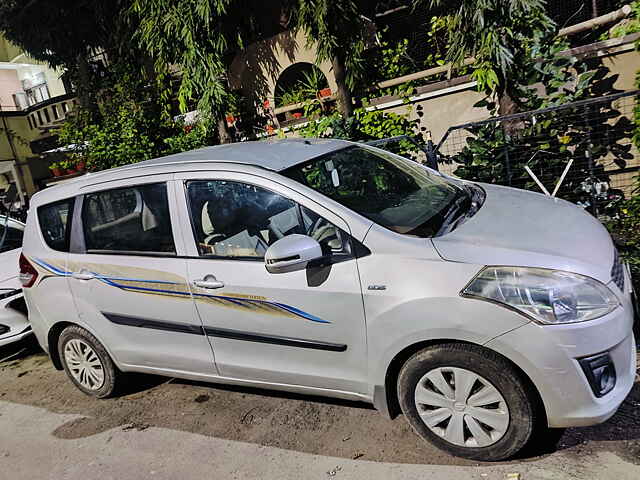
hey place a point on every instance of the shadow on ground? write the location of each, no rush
(302, 423)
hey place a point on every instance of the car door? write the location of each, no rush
(129, 281)
(304, 327)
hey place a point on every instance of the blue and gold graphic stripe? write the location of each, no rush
(181, 290)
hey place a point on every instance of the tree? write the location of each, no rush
(200, 37)
(499, 35)
(64, 32)
(338, 31)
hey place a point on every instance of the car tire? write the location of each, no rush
(511, 409)
(87, 363)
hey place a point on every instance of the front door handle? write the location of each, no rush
(83, 275)
(209, 282)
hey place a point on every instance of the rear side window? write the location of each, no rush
(55, 223)
(131, 219)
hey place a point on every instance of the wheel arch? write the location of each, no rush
(385, 397)
(54, 335)
(52, 341)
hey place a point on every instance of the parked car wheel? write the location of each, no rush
(87, 363)
(468, 401)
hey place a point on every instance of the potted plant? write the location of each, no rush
(68, 167)
(81, 165)
(55, 169)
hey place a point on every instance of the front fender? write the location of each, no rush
(451, 319)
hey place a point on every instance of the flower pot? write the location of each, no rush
(325, 92)
(71, 171)
(57, 172)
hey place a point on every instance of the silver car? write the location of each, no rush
(326, 267)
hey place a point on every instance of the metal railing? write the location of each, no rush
(583, 151)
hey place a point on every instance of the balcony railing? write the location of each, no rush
(51, 112)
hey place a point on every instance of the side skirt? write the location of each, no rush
(301, 389)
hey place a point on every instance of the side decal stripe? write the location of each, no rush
(222, 300)
(274, 339)
(153, 324)
(138, 322)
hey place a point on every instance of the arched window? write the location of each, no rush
(299, 82)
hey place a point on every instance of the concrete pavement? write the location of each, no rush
(30, 449)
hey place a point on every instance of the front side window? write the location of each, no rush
(10, 235)
(396, 193)
(55, 223)
(132, 219)
(238, 220)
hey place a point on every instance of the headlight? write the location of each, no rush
(548, 296)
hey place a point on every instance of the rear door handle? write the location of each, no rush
(83, 275)
(209, 282)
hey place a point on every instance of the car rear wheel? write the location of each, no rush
(87, 363)
(468, 401)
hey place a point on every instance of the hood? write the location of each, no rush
(9, 269)
(521, 228)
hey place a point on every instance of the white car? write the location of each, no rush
(14, 325)
(332, 268)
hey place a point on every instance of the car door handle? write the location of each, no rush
(209, 282)
(83, 275)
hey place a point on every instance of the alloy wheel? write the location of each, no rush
(84, 364)
(462, 407)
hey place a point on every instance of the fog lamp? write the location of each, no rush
(600, 373)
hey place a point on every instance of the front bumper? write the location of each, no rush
(550, 355)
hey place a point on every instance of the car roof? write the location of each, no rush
(274, 155)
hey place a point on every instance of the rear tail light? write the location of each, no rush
(28, 274)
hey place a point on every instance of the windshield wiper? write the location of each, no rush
(454, 212)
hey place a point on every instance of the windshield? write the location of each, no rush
(396, 193)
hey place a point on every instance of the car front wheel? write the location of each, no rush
(468, 401)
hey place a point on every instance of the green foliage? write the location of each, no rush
(394, 61)
(60, 31)
(364, 125)
(546, 142)
(336, 29)
(120, 138)
(130, 125)
(437, 44)
(307, 88)
(625, 231)
(627, 26)
(627, 226)
(189, 137)
(197, 35)
(499, 34)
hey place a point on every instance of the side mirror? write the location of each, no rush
(291, 253)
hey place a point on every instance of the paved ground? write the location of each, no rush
(165, 428)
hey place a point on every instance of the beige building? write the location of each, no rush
(33, 97)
